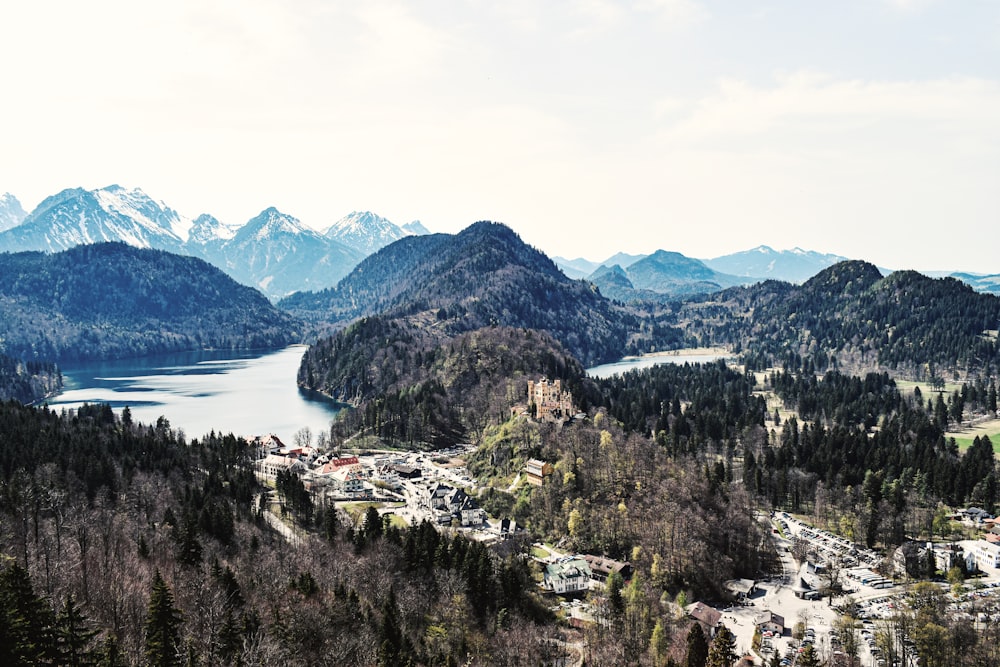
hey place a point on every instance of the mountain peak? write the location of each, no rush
(365, 231)
(76, 216)
(11, 212)
(416, 228)
(271, 223)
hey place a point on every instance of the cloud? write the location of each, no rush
(674, 13)
(815, 103)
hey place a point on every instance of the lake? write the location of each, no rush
(700, 356)
(252, 393)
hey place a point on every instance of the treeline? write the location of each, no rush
(718, 404)
(123, 544)
(848, 429)
(113, 300)
(28, 382)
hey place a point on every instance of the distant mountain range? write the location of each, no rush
(631, 277)
(273, 252)
(762, 263)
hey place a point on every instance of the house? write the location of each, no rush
(987, 554)
(708, 617)
(948, 556)
(470, 513)
(506, 527)
(976, 514)
(263, 445)
(406, 471)
(567, 575)
(272, 464)
(451, 502)
(741, 588)
(768, 621)
(911, 558)
(438, 497)
(536, 471)
(550, 402)
(349, 480)
(601, 568)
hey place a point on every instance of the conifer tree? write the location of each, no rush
(163, 622)
(697, 647)
(25, 620)
(73, 636)
(722, 651)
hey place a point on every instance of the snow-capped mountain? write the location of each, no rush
(273, 252)
(76, 216)
(11, 212)
(795, 265)
(277, 254)
(207, 230)
(416, 228)
(365, 232)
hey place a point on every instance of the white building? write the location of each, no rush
(272, 464)
(567, 575)
(987, 554)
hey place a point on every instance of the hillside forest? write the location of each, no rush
(124, 543)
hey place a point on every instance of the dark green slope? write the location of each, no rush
(483, 276)
(905, 321)
(112, 300)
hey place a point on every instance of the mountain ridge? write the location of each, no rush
(114, 300)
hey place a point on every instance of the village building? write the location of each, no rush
(548, 400)
(708, 617)
(912, 559)
(768, 621)
(536, 471)
(450, 503)
(264, 445)
(406, 471)
(567, 575)
(741, 588)
(272, 464)
(987, 555)
(601, 568)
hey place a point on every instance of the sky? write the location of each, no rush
(865, 128)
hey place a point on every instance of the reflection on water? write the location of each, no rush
(228, 392)
(648, 361)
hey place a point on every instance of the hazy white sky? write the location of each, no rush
(867, 128)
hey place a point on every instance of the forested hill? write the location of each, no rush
(110, 299)
(849, 316)
(483, 276)
(27, 382)
(412, 389)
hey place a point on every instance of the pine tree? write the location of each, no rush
(808, 657)
(73, 636)
(722, 651)
(697, 647)
(25, 620)
(163, 622)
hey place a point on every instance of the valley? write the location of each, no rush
(468, 429)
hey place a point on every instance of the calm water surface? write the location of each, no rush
(242, 393)
(648, 361)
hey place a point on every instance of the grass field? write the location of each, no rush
(965, 437)
(357, 510)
